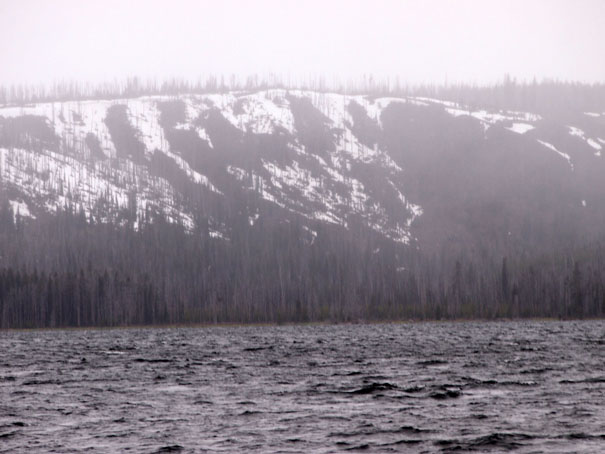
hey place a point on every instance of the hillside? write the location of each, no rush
(404, 195)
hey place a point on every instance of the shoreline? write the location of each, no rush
(205, 325)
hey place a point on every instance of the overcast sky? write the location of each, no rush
(420, 41)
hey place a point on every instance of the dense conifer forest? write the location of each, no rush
(66, 271)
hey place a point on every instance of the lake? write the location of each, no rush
(526, 387)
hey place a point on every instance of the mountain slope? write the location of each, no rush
(412, 170)
(284, 205)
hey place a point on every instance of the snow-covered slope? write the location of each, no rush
(301, 152)
(64, 168)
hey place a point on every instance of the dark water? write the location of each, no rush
(435, 387)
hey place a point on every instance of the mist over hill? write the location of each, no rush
(186, 203)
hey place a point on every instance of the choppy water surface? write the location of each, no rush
(433, 387)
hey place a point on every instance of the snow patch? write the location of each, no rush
(520, 128)
(577, 132)
(486, 118)
(99, 188)
(217, 234)
(560, 153)
(264, 112)
(20, 209)
(192, 174)
(144, 115)
(252, 219)
(72, 121)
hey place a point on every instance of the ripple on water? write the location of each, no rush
(427, 387)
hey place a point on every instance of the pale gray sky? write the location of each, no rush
(421, 41)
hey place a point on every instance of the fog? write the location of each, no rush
(302, 225)
(428, 41)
